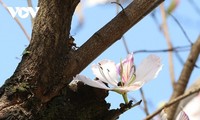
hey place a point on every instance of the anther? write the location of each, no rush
(120, 84)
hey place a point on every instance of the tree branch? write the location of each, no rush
(114, 114)
(165, 31)
(17, 21)
(174, 101)
(104, 38)
(181, 84)
(176, 49)
(29, 2)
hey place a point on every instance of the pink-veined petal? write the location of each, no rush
(125, 67)
(148, 69)
(93, 83)
(183, 116)
(106, 71)
(192, 108)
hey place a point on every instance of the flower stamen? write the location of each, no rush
(121, 71)
(120, 84)
(109, 74)
(133, 75)
(102, 73)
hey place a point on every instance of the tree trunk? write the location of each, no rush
(38, 89)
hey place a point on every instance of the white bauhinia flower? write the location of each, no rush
(123, 77)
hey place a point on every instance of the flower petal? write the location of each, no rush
(93, 83)
(192, 108)
(182, 116)
(125, 68)
(106, 71)
(148, 69)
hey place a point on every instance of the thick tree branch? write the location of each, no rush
(105, 37)
(181, 84)
(114, 30)
(42, 65)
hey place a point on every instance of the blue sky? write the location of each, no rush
(144, 35)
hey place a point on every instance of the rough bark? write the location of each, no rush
(38, 88)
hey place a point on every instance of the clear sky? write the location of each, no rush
(144, 35)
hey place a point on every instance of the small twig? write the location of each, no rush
(184, 32)
(114, 114)
(118, 4)
(157, 23)
(138, 103)
(140, 106)
(178, 99)
(17, 20)
(129, 105)
(182, 29)
(30, 5)
(144, 101)
(178, 49)
(169, 44)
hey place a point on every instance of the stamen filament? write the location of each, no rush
(102, 73)
(111, 76)
(121, 71)
(133, 75)
(132, 79)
